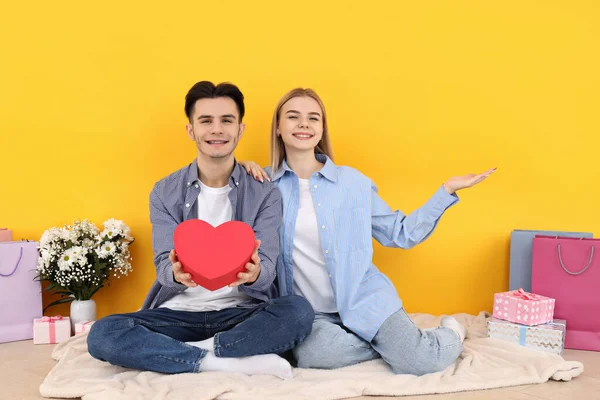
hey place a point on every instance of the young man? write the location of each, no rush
(183, 327)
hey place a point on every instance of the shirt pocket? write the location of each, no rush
(352, 229)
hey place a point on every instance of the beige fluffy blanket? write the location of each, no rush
(485, 363)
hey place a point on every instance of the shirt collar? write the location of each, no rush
(329, 170)
(234, 179)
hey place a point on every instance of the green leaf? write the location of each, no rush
(51, 286)
(62, 293)
(57, 302)
(95, 290)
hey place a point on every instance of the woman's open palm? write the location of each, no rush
(466, 181)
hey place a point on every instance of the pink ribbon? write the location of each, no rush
(521, 294)
(83, 324)
(51, 326)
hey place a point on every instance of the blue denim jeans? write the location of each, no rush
(406, 348)
(154, 339)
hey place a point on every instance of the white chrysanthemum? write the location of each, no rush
(81, 230)
(65, 262)
(110, 231)
(53, 235)
(46, 257)
(46, 238)
(63, 233)
(76, 255)
(106, 250)
(114, 227)
(74, 236)
(86, 227)
(88, 243)
(127, 232)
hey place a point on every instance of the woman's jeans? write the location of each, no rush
(407, 349)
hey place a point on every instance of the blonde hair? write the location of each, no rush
(277, 146)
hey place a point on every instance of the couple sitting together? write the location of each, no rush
(311, 294)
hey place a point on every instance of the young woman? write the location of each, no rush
(330, 213)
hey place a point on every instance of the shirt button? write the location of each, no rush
(188, 205)
(237, 183)
(330, 275)
(323, 226)
(327, 252)
(196, 186)
(319, 204)
(315, 186)
(189, 183)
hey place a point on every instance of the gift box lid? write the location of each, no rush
(84, 323)
(57, 318)
(520, 294)
(556, 324)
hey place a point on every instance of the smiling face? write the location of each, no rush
(300, 124)
(215, 127)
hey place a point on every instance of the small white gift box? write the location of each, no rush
(51, 330)
(83, 326)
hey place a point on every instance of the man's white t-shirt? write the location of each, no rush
(214, 207)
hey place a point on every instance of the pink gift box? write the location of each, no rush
(5, 235)
(83, 326)
(523, 308)
(51, 330)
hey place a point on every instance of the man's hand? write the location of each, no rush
(466, 181)
(252, 269)
(178, 274)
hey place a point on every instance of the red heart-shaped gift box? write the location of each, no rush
(213, 256)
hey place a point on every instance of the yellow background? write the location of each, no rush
(91, 115)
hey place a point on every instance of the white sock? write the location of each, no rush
(264, 364)
(452, 323)
(208, 344)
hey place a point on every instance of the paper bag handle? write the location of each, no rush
(16, 266)
(575, 273)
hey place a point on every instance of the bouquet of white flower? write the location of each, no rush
(78, 260)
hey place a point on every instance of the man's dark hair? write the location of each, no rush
(208, 90)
